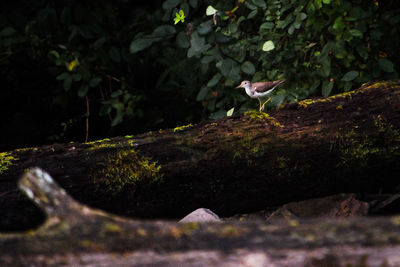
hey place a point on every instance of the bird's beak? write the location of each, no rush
(239, 86)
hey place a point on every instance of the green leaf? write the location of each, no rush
(95, 81)
(118, 118)
(326, 67)
(210, 11)
(234, 74)
(230, 112)
(76, 77)
(291, 29)
(202, 93)
(204, 27)
(267, 26)
(326, 1)
(338, 24)
(53, 54)
(318, 3)
(301, 16)
(248, 68)
(226, 66)
(163, 31)
(114, 54)
(268, 46)
(218, 115)
(362, 51)
(356, 33)
(347, 86)
(252, 14)
(327, 88)
(82, 91)
(63, 76)
(139, 45)
(233, 27)
(179, 17)
(193, 3)
(214, 80)
(207, 59)
(197, 45)
(386, 65)
(349, 76)
(7, 32)
(185, 8)
(168, 4)
(314, 86)
(182, 40)
(249, 5)
(281, 24)
(260, 3)
(277, 100)
(67, 83)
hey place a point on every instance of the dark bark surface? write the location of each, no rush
(76, 235)
(344, 143)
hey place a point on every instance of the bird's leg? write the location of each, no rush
(261, 107)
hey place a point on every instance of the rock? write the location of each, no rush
(340, 205)
(201, 215)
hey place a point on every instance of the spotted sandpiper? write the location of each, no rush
(259, 89)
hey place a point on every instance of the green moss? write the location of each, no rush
(6, 160)
(98, 141)
(259, 115)
(26, 149)
(306, 102)
(230, 231)
(253, 114)
(183, 127)
(100, 144)
(358, 150)
(190, 227)
(247, 150)
(126, 168)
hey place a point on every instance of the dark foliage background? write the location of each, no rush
(125, 67)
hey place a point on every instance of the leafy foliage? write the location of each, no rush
(126, 60)
(319, 47)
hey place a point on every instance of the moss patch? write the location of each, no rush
(259, 115)
(6, 160)
(126, 169)
(306, 102)
(99, 144)
(183, 127)
(246, 149)
(358, 150)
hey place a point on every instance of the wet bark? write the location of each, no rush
(344, 143)
(76, 235)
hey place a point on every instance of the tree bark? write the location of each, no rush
(76, 235)
(343, 143)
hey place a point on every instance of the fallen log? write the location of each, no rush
(344, 143)
(76, 235)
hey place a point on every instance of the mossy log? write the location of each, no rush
(76, 235)
(344, 143)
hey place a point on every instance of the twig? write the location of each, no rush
(87, 119)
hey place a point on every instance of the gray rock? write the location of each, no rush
(201, 215)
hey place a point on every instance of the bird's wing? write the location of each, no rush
(262, 87)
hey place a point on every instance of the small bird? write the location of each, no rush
(259, 89)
